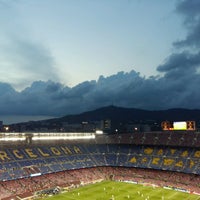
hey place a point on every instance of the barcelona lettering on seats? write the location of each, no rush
(23, 153)
(46, 159)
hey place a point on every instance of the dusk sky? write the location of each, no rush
(70, 56)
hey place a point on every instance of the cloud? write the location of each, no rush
(183, 66)
(50, 98)
(177, 87)
(22, 61)
(122, 89)
(190, 9)
(180, 70)
(179, 65)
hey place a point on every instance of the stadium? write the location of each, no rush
(35, 165)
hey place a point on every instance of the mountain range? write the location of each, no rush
(126, 115)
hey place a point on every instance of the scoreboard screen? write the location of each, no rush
(180, 125)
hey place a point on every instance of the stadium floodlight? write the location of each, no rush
(12, 139)
(70, 137)
(36, 174)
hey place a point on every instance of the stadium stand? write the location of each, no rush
(164, 159)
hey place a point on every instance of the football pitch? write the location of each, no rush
(110, 190)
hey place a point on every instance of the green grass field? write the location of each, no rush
(109, 190)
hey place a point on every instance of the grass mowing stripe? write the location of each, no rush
(108, 190)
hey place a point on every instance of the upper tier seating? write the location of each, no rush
(21, 162)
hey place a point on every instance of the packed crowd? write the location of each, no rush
(39, 160)
(26, 170)
(29, 186)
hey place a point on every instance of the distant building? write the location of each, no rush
(1, 125)
(106, 125)
(71, 127)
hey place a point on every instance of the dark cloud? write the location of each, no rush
(49, 98)
(177, 87)
(122, 89)
(180, 65)
(184, 65)
(190, 9)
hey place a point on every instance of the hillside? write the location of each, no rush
(119, 114)
(119, 118)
